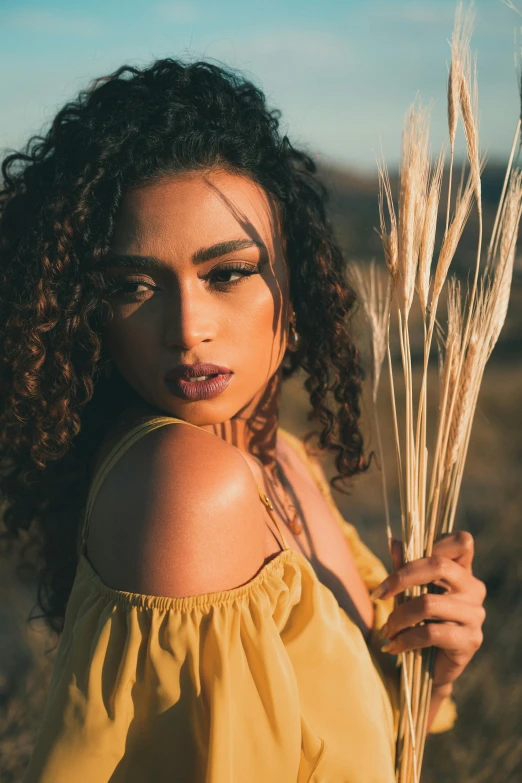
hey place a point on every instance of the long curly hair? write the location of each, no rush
(58, 204)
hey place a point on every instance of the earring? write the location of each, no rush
(293, 335)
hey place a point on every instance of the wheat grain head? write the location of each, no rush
(452, 343)
(469, 108)
(470, 377)
(500, 289)
(376, 300)
(463, 405)
(460, 41)
(414, 170)
(388, 238)
(429, 232)
(451, 240)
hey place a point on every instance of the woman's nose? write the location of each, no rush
(190, 320)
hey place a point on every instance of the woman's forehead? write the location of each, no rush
(184, 210)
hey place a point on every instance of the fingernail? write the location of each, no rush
(379, 591)
(388, 647)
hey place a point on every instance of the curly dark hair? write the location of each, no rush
(58, 204)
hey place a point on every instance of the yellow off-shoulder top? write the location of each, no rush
(270, 682)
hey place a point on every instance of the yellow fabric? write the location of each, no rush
(373, 572)
(270, 681)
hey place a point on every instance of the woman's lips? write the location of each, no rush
(199, 390)
(186, 371)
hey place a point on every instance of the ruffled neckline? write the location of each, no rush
(183, 603)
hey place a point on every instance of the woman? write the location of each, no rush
(214, 607)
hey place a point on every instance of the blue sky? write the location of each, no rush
(343, 72)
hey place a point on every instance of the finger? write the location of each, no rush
(457, 639)
(458, 546)
(437, 569)
(431, 606)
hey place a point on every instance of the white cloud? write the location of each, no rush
(179, 12)
(70, 24)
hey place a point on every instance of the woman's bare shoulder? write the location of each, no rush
(179, 514)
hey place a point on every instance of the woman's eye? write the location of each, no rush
(126, 288)
(240, 271)
(222, 278)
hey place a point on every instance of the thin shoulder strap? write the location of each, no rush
(117, 452)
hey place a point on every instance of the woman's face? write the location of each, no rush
(178, 309)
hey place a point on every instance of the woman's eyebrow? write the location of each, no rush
(200, 256)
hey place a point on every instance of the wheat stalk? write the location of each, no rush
(459, 45)
(494, 234)
(516, 138)
(389, 238)
(429, 232)
(376, 300)
(501, 285)
(414, 171)
(493, 302)
(473, 328)
(451, 241)
(510, 5)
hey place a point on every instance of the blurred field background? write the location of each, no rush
(343, 73)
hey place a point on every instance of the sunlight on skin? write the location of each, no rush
(179, 315)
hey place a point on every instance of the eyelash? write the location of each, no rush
(247, 270)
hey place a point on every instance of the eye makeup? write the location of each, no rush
(123, 286)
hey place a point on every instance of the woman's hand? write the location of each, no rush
(454, 618)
